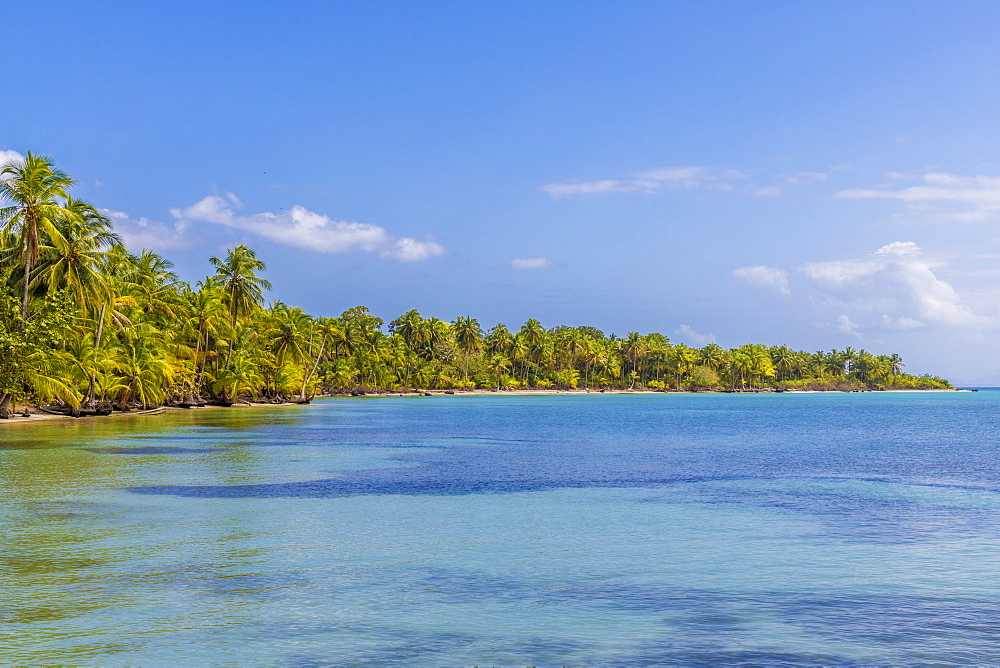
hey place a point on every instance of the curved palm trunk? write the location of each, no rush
(24, 292)
(305, 380)
(92, 381)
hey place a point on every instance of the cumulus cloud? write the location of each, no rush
(531, 263)
(650, 181)
(896, 288)
(693, 337)
(942, 195)
(301, 228)
(764, 277)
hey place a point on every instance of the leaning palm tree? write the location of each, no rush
(36, 190)
(73, 260)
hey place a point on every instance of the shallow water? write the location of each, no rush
(546, 530)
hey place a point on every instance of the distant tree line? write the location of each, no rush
(89, 325)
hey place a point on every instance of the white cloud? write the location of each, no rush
(899, 248)
(805, 178)
(301, 228)
(942, 195)
(149, 234)
(769, 191)
(896, 289)
(846, 325)
(8, 157)
(689, 177)
(764, 277)
(838, 272)
(590, 188)
(902, 322)
(531, 263)
(408, 249)
(650, 181)
(693, 337)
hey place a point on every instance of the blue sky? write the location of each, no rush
(818, 174)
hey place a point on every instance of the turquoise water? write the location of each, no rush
(632, 529)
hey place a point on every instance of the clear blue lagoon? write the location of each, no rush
(546, 530)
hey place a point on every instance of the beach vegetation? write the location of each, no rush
(89, 325)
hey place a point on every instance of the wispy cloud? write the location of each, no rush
(650, 181)
(941, 195)
(689, 178)
(764, 277)
(142, 233)
(590, 188)
(301, 228)
(846, 325)
(805, 178)
(531, 263)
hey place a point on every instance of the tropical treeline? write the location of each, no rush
(86, 324)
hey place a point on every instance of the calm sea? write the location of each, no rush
(629, 529)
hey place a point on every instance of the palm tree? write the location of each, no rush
(142, 369)
(713, 356)
(498, 364)
(499, 339)
(206, 321)
(150, 279)
(73, 260)
(532, 335)
(784, 360)
(682, 360)
(240, 376)
(434, 334)
(243, 289)
(634, 348)
(469, 337)
(289, 333)
(408, 327)
(35, 188)
(329, 330)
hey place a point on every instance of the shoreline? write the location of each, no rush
(513, 393)
(36, 418)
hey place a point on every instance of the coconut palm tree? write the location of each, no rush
(469, 337)
(37, 192)
(633, 348)
(243, 290)
(498, 364)
(73, 260)
(408, 327)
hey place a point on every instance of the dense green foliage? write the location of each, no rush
(84, 321)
